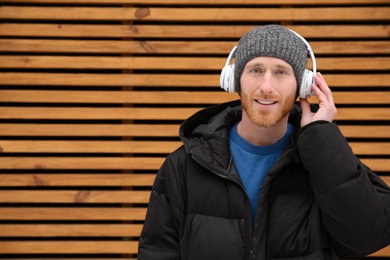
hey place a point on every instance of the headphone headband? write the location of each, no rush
(309, 50)
(227, 73)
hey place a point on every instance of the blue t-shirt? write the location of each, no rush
(254, 162)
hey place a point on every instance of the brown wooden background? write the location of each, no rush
(92, 93)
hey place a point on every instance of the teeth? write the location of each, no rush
(265, 102)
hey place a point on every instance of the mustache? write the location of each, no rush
(265, 96)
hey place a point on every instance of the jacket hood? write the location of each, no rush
(206, 133)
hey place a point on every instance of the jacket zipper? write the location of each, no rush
(249, 251)
(249, 213)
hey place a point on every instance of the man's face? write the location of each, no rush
(268, 88)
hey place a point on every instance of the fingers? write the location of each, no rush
(325, 97)
(327, 109)
(322, 89)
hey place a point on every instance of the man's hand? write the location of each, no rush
(327, 109)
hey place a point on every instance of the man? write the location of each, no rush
(263, 177)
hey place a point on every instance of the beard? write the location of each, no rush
(270, 117)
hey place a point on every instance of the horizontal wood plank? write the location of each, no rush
(152, 130)
(131, 113)
(360, 98)
(76, 179)
(165, 97)
(378, 165)
(70, 230)
(386, 179)
(84, 230)
(196, 14)
(68, 247)
(372, 131)
(357, 113)
(113, 163)
(145, 147)
(172, 63)
(90, 130)
(73, 213)
(115, 147)
(164, 80)
(87, 247)
(129, 97)
(74, 196)
(204, 2)
(370, 148)
(76, 163)
(63, 180)
(175, 47)
(70, 257)
(385, 252)
(161, 113)
(121, 80)
(184, 31)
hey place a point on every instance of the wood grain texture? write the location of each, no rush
(93, 93)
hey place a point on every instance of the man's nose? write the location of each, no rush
(266, 83)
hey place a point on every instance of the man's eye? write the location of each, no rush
(281, 72)
(256, 70)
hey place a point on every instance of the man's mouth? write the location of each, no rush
(265, 102)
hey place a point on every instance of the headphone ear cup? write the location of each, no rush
(305, 90)
(227, 79)
(222, 78)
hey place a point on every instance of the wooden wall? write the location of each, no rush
(92, 93)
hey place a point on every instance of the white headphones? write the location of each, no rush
(227, 74)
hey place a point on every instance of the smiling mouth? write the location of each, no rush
(264, 102)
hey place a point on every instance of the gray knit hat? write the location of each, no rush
(271, 40)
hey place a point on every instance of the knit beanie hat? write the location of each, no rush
(271, 40)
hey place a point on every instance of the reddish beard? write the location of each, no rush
(270, 117)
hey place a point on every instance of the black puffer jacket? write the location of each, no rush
(317, 202)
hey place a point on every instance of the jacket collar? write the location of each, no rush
(206, 133)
